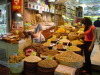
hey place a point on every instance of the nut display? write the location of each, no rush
(60, 30)
(77, 42)
(47, 44)
(57, 35)
(73, 48)
(47, 63)
(64, 41)
(72, 35)
(39, 48)
(59, 46)
(69, 58)
(53, 39)
(50, 53)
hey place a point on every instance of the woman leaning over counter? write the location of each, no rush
(89, 39)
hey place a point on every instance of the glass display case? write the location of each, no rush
(3, 18)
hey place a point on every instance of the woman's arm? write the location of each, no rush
(94, 37)
(80, 34)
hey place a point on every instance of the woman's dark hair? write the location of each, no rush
(98, 18)
(87, 22)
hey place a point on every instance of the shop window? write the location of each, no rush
(3, 17)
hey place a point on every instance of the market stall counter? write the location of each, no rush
(13, 48)
(9, 48)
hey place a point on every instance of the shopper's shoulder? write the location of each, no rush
(96, 21)
(93, 27)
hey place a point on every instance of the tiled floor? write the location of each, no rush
(96, 72)
(95, 58)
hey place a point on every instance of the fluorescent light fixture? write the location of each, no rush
(38, 1)
(19, 15)
(84, 5)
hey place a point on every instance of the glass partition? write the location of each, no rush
(88, 1)
(3, 19)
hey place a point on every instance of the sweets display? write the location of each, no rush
(14, 36)
(16, 59)
(16, 64)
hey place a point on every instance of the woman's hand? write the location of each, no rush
(94, 37)
(81, 35)
(90, 49)
(35, 35)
